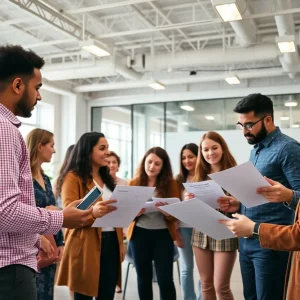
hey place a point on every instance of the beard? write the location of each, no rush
(261, 135)
(23, 108)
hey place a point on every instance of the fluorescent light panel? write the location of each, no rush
(228, 10)
(284, 118)
(209, 118)
(287, 47)
(187, 107)
(286, 43)
(291, 103)
(156, 85)
(185, 123)
(92, 47)
(295, 126)
(232, 80)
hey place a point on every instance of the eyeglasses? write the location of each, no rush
(249, 125)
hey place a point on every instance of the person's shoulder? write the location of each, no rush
(7, 128)
(122, 181)
(133, 182)
(72, 176)
(288, 142)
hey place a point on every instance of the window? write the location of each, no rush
(115, 124)
(42, 117)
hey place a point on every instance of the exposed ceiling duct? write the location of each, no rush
(205, 57)
(89, 69)
(173, 80)
(244, 29)
(285, 26)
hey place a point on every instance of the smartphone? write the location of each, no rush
(90, 198)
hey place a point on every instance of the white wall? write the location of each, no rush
(70, 121)
(237, 143)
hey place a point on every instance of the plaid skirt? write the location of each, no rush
(203, 241)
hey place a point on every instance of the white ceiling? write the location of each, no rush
(161, 39)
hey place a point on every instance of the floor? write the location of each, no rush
(61, 293)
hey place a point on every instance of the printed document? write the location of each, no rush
(130, 200)
(200, 216)
(206, 191)
(150, 204)
(241, 182)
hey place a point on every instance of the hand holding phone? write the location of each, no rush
(103, 208)
(90, 198)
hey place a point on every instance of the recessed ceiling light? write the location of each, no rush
(232, 80)
(93, 47)
(156, 85)
(291, 103)
(228, 10)
(185, 123)
(295, 126)
(209, 118)
(284, 118)
(286, 43)
(187, 107)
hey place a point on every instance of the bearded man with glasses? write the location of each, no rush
(277, 157)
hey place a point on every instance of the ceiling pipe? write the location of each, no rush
(205, 57)
(89, 69)
(285, 25)
(178, 80)
(244, 29)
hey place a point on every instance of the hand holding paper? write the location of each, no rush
(241, 226)
(130, 201)
(206, 191)
(242, 182)
(276, 192)
(151, 206)
(201, 216)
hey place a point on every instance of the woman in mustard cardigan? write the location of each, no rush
(91, 265)
(151, 235)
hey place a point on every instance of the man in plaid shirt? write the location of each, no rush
(21, 222)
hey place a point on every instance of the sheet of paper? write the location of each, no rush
(200, 216)
(167, 200)
(241, 182)
(150, 204)
(206, 191)
(130, 200)
(150, 207)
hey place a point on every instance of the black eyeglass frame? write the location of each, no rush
(248, 126)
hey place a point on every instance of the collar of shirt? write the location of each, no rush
(268, 139)
(7, 114)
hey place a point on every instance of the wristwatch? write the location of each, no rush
(255, 233)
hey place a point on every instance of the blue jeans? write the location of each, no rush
(153, 245)
(186, 260)
(263, 271)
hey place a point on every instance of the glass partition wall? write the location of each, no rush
(132, 129)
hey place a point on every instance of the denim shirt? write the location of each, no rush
(278, 158)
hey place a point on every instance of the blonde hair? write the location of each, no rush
(33, 139)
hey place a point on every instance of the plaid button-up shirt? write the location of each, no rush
(21, 222)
